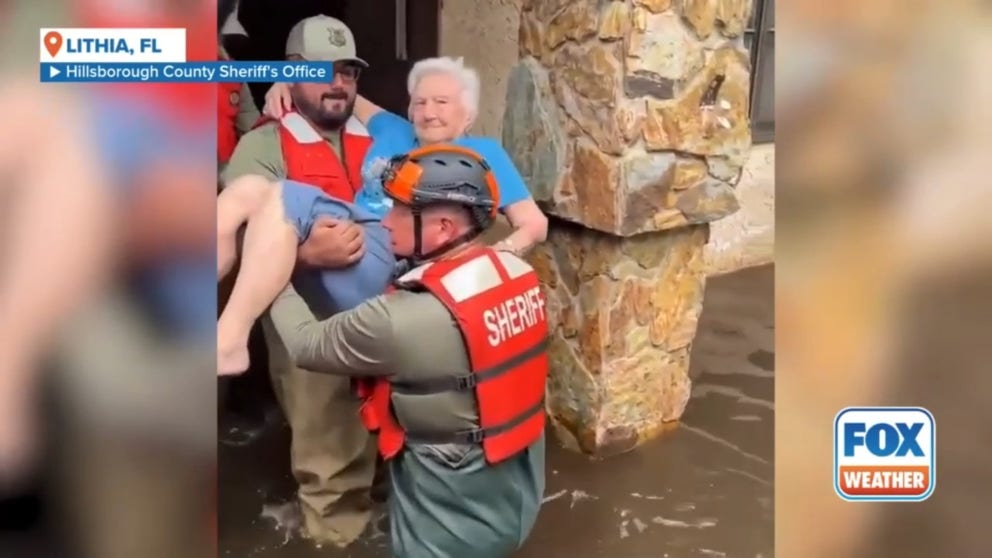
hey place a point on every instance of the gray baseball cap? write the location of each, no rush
(323, 38)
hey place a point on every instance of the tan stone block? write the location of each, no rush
(722, 168)
(553, 308)
(578, 22)
(733, 16)
(638, 26)
(594, 254)
(663, 190)
(656, 6)
(630, 312)
(669, 219)
(678, 125)
(647, 181)
(676, 300)
(597, 294)
(688, 173)
(596, 179)
(630, 120)
(566, 188)
(700, 15)
(569, 312)
(530, 37)
(590, 348)
(624, 375)
(546, 10)
(707, 202)
(532, 130)
(590, 71)
(566, 98)
(543, 264)
(573, 399)
(614, 21)
(661, 54)
(631, 414)
(569, 261)
(643, 251)
(585, 80)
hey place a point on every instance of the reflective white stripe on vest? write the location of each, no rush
(300, 129)
(507, 318)
(355, 127)
(473, 277)
(515, 267)
(470, 279)
(303, 132)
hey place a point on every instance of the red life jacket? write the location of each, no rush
(228, 106)
(496, 300)
(310, 160)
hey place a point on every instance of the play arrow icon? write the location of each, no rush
(53, 71)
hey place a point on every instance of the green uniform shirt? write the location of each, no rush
(259, 151)
(248, 113)
(447, 501)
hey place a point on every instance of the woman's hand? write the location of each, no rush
(277, 101)
(530, 227)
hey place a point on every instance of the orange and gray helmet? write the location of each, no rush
(444, 174)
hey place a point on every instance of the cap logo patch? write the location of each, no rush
(336, 36)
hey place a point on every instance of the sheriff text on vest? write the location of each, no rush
(513, 316)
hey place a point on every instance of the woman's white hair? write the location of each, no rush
(455, 67)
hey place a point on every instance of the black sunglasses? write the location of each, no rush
(347, 70)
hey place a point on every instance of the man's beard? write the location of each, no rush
(326, 118)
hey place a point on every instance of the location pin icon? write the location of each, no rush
(53, 42)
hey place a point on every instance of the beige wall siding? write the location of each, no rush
(485, 33)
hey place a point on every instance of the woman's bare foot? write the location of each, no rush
(19, 432)
(232, 349)
(232, 362)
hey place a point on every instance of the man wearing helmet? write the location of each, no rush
(451, 364)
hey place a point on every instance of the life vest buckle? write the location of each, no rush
(475, 436)
(466, 382)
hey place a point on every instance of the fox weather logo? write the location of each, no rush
(885, 454)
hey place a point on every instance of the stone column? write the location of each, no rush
(628, 119)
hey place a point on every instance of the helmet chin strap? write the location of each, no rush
(420, 257)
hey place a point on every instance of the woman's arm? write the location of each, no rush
(278, 102)
(530, 227)
(366, 109)
(528, 221)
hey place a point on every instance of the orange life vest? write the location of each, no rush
(228, 106)
(310, 160)
(496, 300)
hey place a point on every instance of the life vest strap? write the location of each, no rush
(432, 386)
(475, 435)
